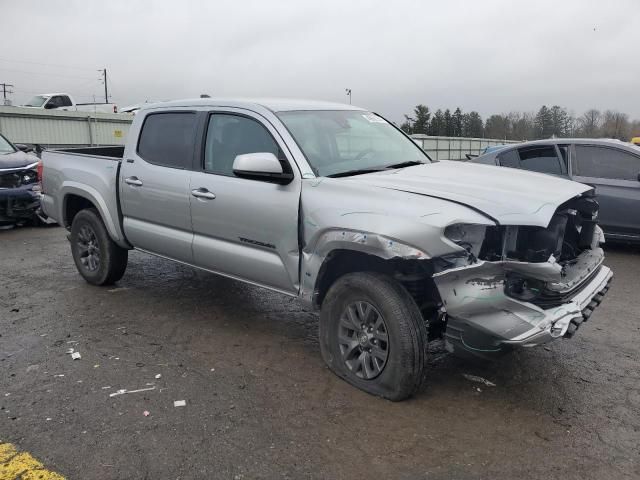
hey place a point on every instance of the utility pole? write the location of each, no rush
(348, 91)
(5, 91)
(106, 92)
(104, 80)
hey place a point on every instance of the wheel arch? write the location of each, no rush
(341, 252)
(78, 197)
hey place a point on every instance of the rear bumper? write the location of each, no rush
(484, 321)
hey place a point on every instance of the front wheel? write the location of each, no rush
(98, 259)
(373, 335)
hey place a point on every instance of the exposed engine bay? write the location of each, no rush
(522, 285)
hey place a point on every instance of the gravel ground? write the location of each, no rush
(261, 404)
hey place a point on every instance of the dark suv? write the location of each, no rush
(612, 166)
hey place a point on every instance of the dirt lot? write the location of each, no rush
(261, 404)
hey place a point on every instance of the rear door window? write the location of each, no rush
(606, 162)
(65, 101)
(168, 139)
(509, 159)
(541, 159)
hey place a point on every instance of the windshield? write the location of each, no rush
(5, 146)
(36, 101)
(341, 141)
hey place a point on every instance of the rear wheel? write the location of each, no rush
(98, 259)
(373, 336)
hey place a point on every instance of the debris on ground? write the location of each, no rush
(475, 378)
(146, 413)
(76, 355)
(124, 391)
(180, 403)
(158, 375)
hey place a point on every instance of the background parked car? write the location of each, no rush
(19, 185)
(612, 166)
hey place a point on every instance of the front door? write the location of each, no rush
(154, 186)
(614, 172)
(244, 228)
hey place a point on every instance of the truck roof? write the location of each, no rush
(272, 104)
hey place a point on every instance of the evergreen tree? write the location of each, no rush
(458, 121)
(472, 125)
(422, 116)
(437, 126)
(448, 123)
(543, 123)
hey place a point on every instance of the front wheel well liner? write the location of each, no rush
(414, 274)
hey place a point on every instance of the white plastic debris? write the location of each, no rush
(474, 378)
(180, 403)
(124, 391)
(158, 375)
(76, 355)
(70, 351)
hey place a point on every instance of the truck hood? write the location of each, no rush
(506, 195)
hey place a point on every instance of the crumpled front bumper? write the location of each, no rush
(19, 203)
(484, 321)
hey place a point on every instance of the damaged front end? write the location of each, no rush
(19, 194)
(521, 285)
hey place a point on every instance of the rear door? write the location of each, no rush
(614, 172)
(246, 228)
(154, 185)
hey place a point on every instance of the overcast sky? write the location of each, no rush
(485, 55)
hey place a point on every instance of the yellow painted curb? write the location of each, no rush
(16, 465)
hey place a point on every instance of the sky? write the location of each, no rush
(484, 55)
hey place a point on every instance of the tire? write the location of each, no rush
(98, 259)
(394, 371)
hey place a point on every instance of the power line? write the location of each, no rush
(45, 74)
(57, 65)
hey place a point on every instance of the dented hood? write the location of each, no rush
(507, 195)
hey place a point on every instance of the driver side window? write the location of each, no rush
(230, 135)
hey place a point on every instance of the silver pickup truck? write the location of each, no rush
(333, 204)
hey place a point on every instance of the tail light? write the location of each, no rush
(39, 170)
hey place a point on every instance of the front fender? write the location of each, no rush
(343, 239)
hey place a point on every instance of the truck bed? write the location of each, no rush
(74, 176)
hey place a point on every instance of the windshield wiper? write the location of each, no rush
(359, 171)
(410, 163)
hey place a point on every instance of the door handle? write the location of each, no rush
(133, 181)
(203, 193)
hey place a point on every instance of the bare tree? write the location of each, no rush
(589, 123)
(615, 125)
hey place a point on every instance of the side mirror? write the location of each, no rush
(23, 148)
(261, 166)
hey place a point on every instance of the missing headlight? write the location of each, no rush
(468, 236)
